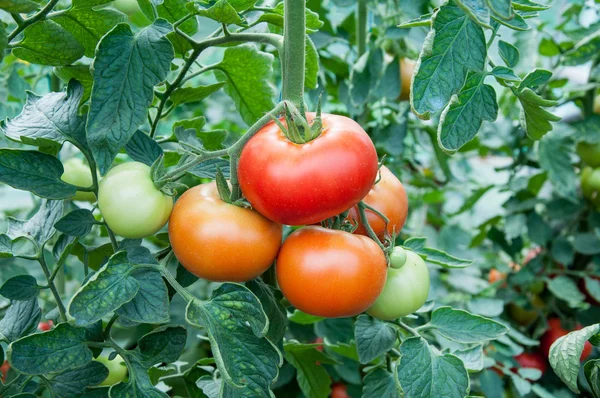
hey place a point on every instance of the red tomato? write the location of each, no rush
(330, 273)
(338, 390)
(533, 360)
(298, 184)
(388, 197)
(319, 340)
(44, 326)
(218, 241)
(4, 370)
(555, 332)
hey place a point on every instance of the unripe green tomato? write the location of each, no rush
(590, 185)
(405, 290)
(79, 174)
(130, 203)
(589, 153)
(117, 370)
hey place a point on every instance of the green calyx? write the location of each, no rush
(398, 257)
(297, 128)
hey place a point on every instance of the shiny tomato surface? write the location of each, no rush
(330, 273)
(298, 184)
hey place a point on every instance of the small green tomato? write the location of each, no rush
(130, 203)
(79, 174)
(117, 370)
(406, 288)
(589, 153)
(590, 185)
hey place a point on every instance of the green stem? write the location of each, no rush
(109, 325)
(294, 44)
(365, 222)
(361, 26)
(173, 282)
(59, 303)
(29, 21)
(409, 329)
(111, 236)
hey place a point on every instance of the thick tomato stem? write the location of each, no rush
(365, 222)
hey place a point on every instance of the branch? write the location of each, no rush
(29, 21)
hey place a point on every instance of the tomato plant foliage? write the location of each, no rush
(486, 212)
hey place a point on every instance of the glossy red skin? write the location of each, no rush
(388, 196)
(45, 326)
(300, 184)
(533, 360)
(338, 390)
(330, 273)
(219, 241)
(555, 332)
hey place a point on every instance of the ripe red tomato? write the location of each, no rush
(533, 360)
(219, 241)
(555, 332)
(298, 184)
(330, 273)
(44, 326)
(388, 197)
(4, 370)
(338, 390)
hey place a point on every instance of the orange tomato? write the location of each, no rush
(219, 241)
(330, 273)
(338, 390)
(388, 197)
(407, 68)
(495, 276)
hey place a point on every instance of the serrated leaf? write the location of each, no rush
(273, 308)
(236, 326)
(380, 384)
(193, 94)
(502, 8)
(50, 119)
(423, 20)
(472, 358)
(435, 256)
(21, 288)
(504, 73)
(508, 53)
(21, 319)
(221, 11)
(464, 327)
(78, 223)
(454, 46)
(476, 9)
(515, 23)
(126, 69)
(142, 148)
(83, 75)
(151, 303)
(40, 227)
(173, 11)
(566, 289)
(583, 51)
(71, 383)
(209, 168)
(534, 119)
(565, 353)
(164, 344)
(18, 6)
(313, 379)
(462, 118)
(47, 43)
(535, 78)
(247, 73)
(553, 156)
(527, 5)
(373, 338)
(59, 349)
(419, 366)
(5, 246)
(107, 290)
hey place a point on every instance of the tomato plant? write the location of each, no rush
(78, 174)
(117, 371)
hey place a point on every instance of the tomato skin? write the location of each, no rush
(330, 273)
(589, 153)
(406, 289)
(555, 332)
(4, 370)
(495, 276)
(45, 326)
(117, 370)
(130, 203)
(533, 360)
(590, 185)
(299, 184)
(388, 197)
(338, 390)
(219, 241)
(79, 174)
(407, 69)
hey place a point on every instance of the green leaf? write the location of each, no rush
(40, 227)
(20, 287)
(565, 354)
(464, 327)
(193, 94)
(435, 256)
(535, 79)
(105, 291)
(275, 17)
(59, 349)
(311, 79)
(164, 344)
(566, 289)
(380, 384)
(21, 319)
(527, 5)
(583, 51)
(88, 25)
(142, 148)
(534, 119)
(126, 69)
(79, 223)
(236, 326)
(49, 120)
(247, 72)
(423, 20)
(47, 43)
(389, 86)
(173, 11)
(82, 74)
(420, 367)
(373, 338)
(508, 53)
(592, 374)
(454, 46)
(313, 379)
(221, 11)
(472, 358)
(365, 75)
(151, 303)
(273, 308)
(587, 243)
(476, 9)
(504, 73)
(6, 245)
(18, 6)
(71, 383)
(554, 157)
(473, 199)
(303, 318)
(502, 8)
(592, 286)
(516, 23)
(139, 384)
(462, 118)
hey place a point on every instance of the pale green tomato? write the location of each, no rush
(589, 153)
(590, 185)
(128, 7)
(130, 203)
(406, 287)
(79, 174)
(117, 370)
